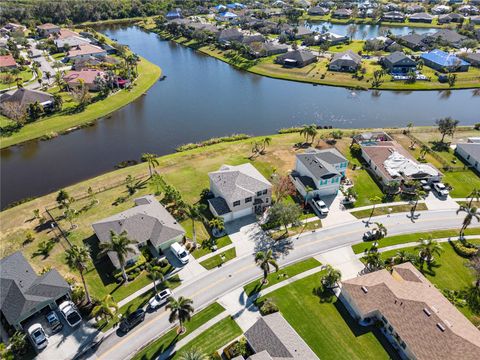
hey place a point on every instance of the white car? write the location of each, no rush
(160, 299)
(70, 313)
(425, 186)
(37, 334)
(321, 207)
(441, 189)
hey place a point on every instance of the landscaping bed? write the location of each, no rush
(384, 210)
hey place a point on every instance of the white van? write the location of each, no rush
(180, 252)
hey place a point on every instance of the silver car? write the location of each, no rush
(38, 336)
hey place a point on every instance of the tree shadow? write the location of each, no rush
(102, 266)
(324, 295)
(355, 327)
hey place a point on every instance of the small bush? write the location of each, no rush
(464, 249)
(476, 126)
(268, 307)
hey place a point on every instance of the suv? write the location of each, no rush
(321, 207)
(37, 334)
(70, 313)
(54, 322)
(440, 189)
(371, 235)
(160, 299)
(132, 320)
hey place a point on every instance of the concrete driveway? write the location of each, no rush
(343, 259)
(246, 235)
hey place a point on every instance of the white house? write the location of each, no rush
(238, 191)
(319, 172)
(470, 153)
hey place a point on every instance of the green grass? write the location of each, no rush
(282, 274)
(326, 326)
(360, 214)
(463, 182)
(355, 46)
(25, 75)
(205, 249)
(168, 339)
(212, 339)
(217, 260)
(414, 237)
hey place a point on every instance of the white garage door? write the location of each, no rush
(242, 213)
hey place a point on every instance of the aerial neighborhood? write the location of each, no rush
(344, 234)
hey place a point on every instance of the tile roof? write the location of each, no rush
(414, 308)
(84, 49)
(47, 26)
(87, 75)
(7, 61)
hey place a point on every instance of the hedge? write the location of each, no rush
(464, 249)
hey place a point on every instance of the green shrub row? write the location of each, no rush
(212, 141)
(138, 264)
(464, 249)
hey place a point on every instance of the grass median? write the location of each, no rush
(384, 210)
(220, 259)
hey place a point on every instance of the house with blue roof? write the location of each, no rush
(444, 62)
(174, 14)
(220, 8)
(236, 6)
(226, 16)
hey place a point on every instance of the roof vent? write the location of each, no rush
(447, 323)
(441, 327)
(426, 311)
(364, 289)
(434, 309)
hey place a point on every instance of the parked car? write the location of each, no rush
(180, 252)
(371, 235)
(132, 320)
(425, 186)
(37, 334)
(321, 207)
(441, 189)
(54, 322)
(70, 313)
(160, 299)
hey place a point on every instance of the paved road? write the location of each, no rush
(45, 67)
(209, 287)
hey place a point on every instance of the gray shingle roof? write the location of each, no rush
(22, 290)
(149, 220)
(471, 149)
(346, 58)
(399, 57)
(300, 56)
(321, 162)
(24, 97)
(219, 205)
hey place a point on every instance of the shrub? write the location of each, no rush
(134, 269)
(464, 249)
(163, 263)
(476, 126)
(212, 141)
(268, 307)
(215, 356)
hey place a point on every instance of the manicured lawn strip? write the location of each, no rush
(214, 338)
(415, 237)
(204, 250)
(161, 344)
(148, 75)
(297, 230)
(26, 75)
(217, 260)
(282, 274)
(462, 182)
(326, 326)
(384, 210)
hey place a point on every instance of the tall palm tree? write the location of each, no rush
(194, 212)
(428, 248)
(474, 195)
(265, 142)
(423, 151)
(381, 230)
(218, 223)
(373, 199)
(155, 273)
(264, 260)
(180, 310)
(418, 194)
(331, 277)
(192, 354)
(152, 161)
(77, 258)
(121, 245)
(105, 309)
(309, 131)
(472, 212)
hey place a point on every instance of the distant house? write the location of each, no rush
(273, 338)
(412, 313)
(413, 9)
(413, 41)
(321, 171)
(299, 32)
(64, 33)
(24, 294)
(230, 35)
(296, 58)
(393, 16)
(148, 223)
(7, 62)
(332, 38)
(342, 14)
(345, 61)
(47, 29)
(444, 62)
(472, 58)
(263, 49)
(85, 51)
(88, 76)
(422, 17)
(441, 9)
(70, 41)
(470, 153)
(446, 37)
(475, 20)
(226, 16)
(20, 99)
(174, 14)
(449, 18)
(238, 191)
(318, 11)
(399, 63)
(236, 6)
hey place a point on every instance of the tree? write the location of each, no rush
(57, 102)
(180, 310)
(475, 194)
(70, 215)
(155, 273)
(121, 245)
(418, 194)
(373, 199)
(18, 343)
(105, 309)
(63, 199)
(156, 182)
(36, 213)
(309, 131)
(352, 30)
(91, 195)
(377, 78)
(264, 260)
(381, 230)
(152, 161)
(331, 278)
(192, 354)
(34, 111)
(471, 213)
(372, 259)
(194, 212)
(80, 94)
(285, 214)
(282, 187)
(265, 142)
(428, 248)
(446, 127)
(452, 79)
(217, 223)
(424, 151)
(76, 258)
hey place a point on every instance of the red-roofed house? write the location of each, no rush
(7, 62)
(73, 78)
(47, 29)
(85, 51)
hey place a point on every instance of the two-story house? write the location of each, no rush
(238, 191)
(319, 172)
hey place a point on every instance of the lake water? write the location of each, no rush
(202, 98)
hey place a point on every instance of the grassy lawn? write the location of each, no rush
(220, 259)
(170, 338)
(282, 274)
(463, 182)
(296, 230)
(219, 335)
(326, 326)
(414, 237)
(148, 75)
(25, 75)
(58, 56)
(205, 249)
(355, 46)
(385, 210)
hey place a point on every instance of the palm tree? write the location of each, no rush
(76, 258)
(194, 212)
(332, 277)
(475, 194)
(105, 309)
(152, 161)
(192, 354)
(423, 151)
(428, 248)
(402, 255)
(419, 194)
(264, 260)
(180, 310)
(121, 245)
(409, 126)
(472, 212)
(218, 223)
(381, 230)
(373, 199)
(372, 260)
(155, 273)
(265, 142)
(309, 130)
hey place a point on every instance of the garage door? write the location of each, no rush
(242, 213)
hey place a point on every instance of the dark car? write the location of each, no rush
(132, 320)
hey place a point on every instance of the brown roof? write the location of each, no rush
(65, 33)
(417, 311)
(7, 61)
(47, 26)
(84, 50)
(381, 151)
(87, 75)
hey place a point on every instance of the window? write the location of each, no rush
(236, 203)
(384, 320)
(247, 200)
(266, 200)
(265, 192)
(259, 193)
